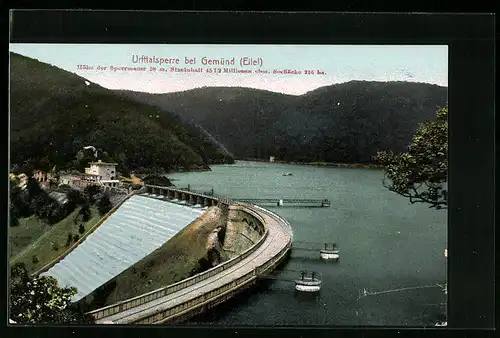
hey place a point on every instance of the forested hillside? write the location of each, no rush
(54, 113)
(346, 122)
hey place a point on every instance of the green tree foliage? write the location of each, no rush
(346, 122)
(18, 201)
(104, 204)
(40, 300)
(14, 219)
(127, 130)
(70, 239)
(64, 188)
(90, 192)
(85, 213)
(81, 229)
(33, 188)
(157, 180)
(34, 201)
(421, 173)
(75, 198)
(82, 158)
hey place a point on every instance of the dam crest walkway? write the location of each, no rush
(200, 292)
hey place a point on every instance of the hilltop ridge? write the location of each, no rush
(54, 113)
(347, 122)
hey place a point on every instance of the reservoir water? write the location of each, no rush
(385, 243)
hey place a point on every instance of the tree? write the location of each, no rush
(104, 205)
(90, 192)
(33, 188)
(14, 220)
(82, 158)
(85, 212)
(57, 213)
(18, 202)
(40, 300)
(75, 198)
(70, 239)
(420, 174)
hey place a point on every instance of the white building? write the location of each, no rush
(105, 173)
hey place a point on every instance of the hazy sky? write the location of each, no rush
(341, 63)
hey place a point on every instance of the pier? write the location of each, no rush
(305, 202)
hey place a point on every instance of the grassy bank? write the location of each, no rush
(176, 260)
(34, 237)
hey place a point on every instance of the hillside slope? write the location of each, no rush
(345, 122)
(54, 113)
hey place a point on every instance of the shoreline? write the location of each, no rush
(322, 164)
(312, 164)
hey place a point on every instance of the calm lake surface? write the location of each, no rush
(385, 244)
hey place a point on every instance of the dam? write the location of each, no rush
(147, 220)
(139, 226)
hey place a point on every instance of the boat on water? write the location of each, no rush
(287, 174)
(332, 253)
(308, 284)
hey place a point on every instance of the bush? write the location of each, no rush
(55, 246)
(75, 197)
(90, 192)
(85, 212)
(104, 205)
(70, 238)
(35, 259)
(81, 229)
(57, 213)
(14, 221)
(64, 188)
(40, 300)
(76, 238)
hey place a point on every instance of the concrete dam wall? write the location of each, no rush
(136, 229)
(243, 229)
(220, 233)
(234, 231)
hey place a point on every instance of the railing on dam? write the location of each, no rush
(283, 222)
(220, 199)
(164, 291)
(220, 292)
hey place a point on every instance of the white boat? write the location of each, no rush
(308, 284)
(287, 174)
(441, 324)
(329, 254)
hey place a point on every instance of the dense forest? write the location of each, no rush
(346, 122)
(54, 113)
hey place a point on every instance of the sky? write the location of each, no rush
(339, 63)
